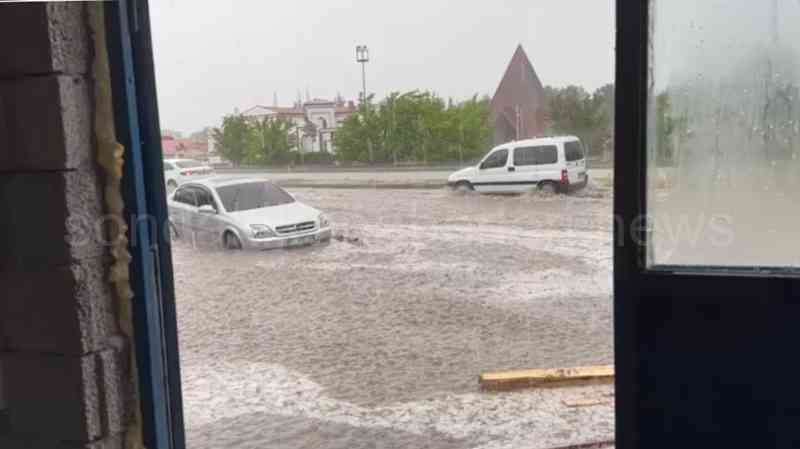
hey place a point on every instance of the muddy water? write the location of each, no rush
(376, 340)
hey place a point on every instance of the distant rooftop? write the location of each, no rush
(341, 106)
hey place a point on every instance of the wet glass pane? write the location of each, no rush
(724, 133)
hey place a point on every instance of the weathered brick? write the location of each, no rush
(61, 398)
(47, 37)
(53, 397)
(27, 442)
(116, 390)
(66, 402)
(50, 220)
(45, 124)
(64, 310)
(60, 389)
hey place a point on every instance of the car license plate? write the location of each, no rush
(305, 240)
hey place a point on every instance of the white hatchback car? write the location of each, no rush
(178, 171)
(551, 164)
(244, 213)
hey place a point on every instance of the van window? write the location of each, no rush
(573, 151)
(536, 155)
(496, 159)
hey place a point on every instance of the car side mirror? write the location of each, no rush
(207, 209)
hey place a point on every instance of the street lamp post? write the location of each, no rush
(362, 56)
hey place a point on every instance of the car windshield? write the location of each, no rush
(252, 195)
(188, 164)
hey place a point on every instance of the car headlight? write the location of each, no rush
(323, 221)
(262, 231)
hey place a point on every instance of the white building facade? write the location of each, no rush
(314, 122)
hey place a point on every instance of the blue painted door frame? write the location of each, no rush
(138, 129)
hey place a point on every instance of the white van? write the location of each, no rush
(550, 164)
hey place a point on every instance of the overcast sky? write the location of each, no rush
(214, 56)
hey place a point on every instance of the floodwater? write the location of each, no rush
(376, 340)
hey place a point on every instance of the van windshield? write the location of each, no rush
(573, 150)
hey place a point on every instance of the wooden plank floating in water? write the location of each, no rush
(597, 445)
(575, 403)
(546, 378)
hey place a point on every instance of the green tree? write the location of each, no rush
(603, 100)
(572, 110)
(415, 127)
(469, 121)
(272, 142)
(234, 138)
(356, 138)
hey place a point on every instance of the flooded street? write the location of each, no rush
(376, 339)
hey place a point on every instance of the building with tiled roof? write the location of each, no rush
(314, 121)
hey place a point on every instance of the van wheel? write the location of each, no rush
(231, 242)
(548, 188)
(464, 187)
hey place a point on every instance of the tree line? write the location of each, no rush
(590, 116)
(414, 127)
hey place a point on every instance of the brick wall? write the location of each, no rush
(64, 374)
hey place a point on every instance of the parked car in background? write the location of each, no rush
(551, 164)
(178, 171)
(244, 213)
(218, 162)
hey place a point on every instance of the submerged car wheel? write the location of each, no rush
(463, 187)
(548, 188)
(231, 242)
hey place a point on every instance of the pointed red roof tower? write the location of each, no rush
(518, 107)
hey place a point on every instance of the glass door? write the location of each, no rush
(706, 205)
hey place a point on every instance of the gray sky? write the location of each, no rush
(214, 56)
